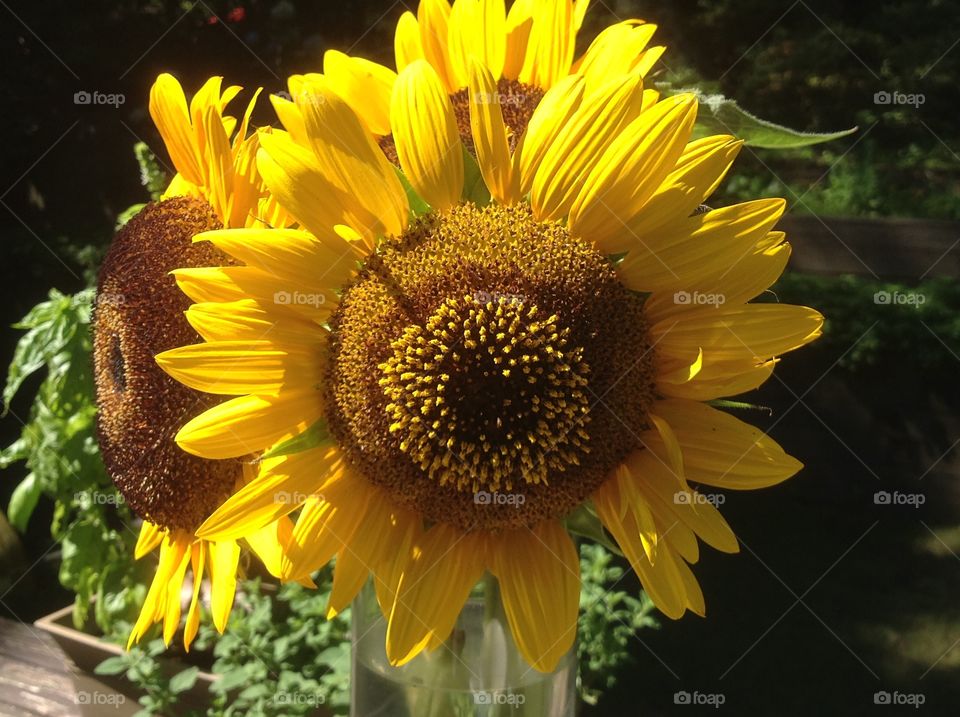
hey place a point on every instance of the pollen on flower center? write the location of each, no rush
(488, 395)
(484, 351)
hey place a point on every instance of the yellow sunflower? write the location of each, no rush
(489, 364)
(527, 51)
(140, 313)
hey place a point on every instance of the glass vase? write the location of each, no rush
(477, 672)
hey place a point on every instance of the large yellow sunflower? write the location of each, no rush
(527, 51)
(140, 313)
(487, 365)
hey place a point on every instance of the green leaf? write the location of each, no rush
(310, 438)
(23, 501)
(474, 188)
(127, 214)
(738, 405)
(49, 330)
(183, 681)
(585, 523)
(112, 666)
(720, 115)
(418, 204)
(230, 681)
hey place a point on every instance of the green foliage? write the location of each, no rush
(310, 438)
(869, 321)
(152, 175)
(610, 619)
(58, 444)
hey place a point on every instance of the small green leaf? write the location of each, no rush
(310, 438)
(738, 405)
(183, 681)
(720, 115)
(230, 681)
(126, 215)
(474, 188)
(23, 501)
(418, 204)
(585, 523)
(112, 666)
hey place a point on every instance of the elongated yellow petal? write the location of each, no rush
(490, 136)
(539, 574)
(550, 45)
(426, 136)
(554, 112)
(230, 368)
(433, 16)
(697, 247)
(168, 109)
(173, 608)
(249, 320)
(365, 85)
(148, 539)
(619, 46)
(445, 562)
(248, 424)
(289, 115)
(224, 558)
(723, 451)
(634, 166)
(719, 379)
(407, 47)
(281, 486)
(756, 332)
(518, 24)
(172, 552)
(580, 144)
(352, 161)
(197, 557)
(477, 32)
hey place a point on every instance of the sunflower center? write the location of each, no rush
(488, 370)
(517, 103)
(488, 394)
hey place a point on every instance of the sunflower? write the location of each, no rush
(527, 50)
(139, 314)
(488, 359)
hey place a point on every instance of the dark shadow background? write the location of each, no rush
(833, 597)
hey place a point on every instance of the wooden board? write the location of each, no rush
(35, 676)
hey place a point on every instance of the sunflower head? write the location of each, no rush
(139, 313)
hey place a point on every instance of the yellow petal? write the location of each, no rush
(554, 112)
(617, 48)
(719, 379)
(230, 368)
(634, 166)
(406, 42)
(352, 161)
(172, 553)
(490, 136)
(248, 424)
(433, 16)
(289, 115)
(723, 451)
(539, 575)
(518, 24)
(249, 320)
(282, 484)
(148, 539)
(365, 85)
(447, 562)
(224, 558)
(197, 555)
(580, 144)
(426, 136)
(477, 32)
(173, 608)
(550, 45)
(168, 109)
